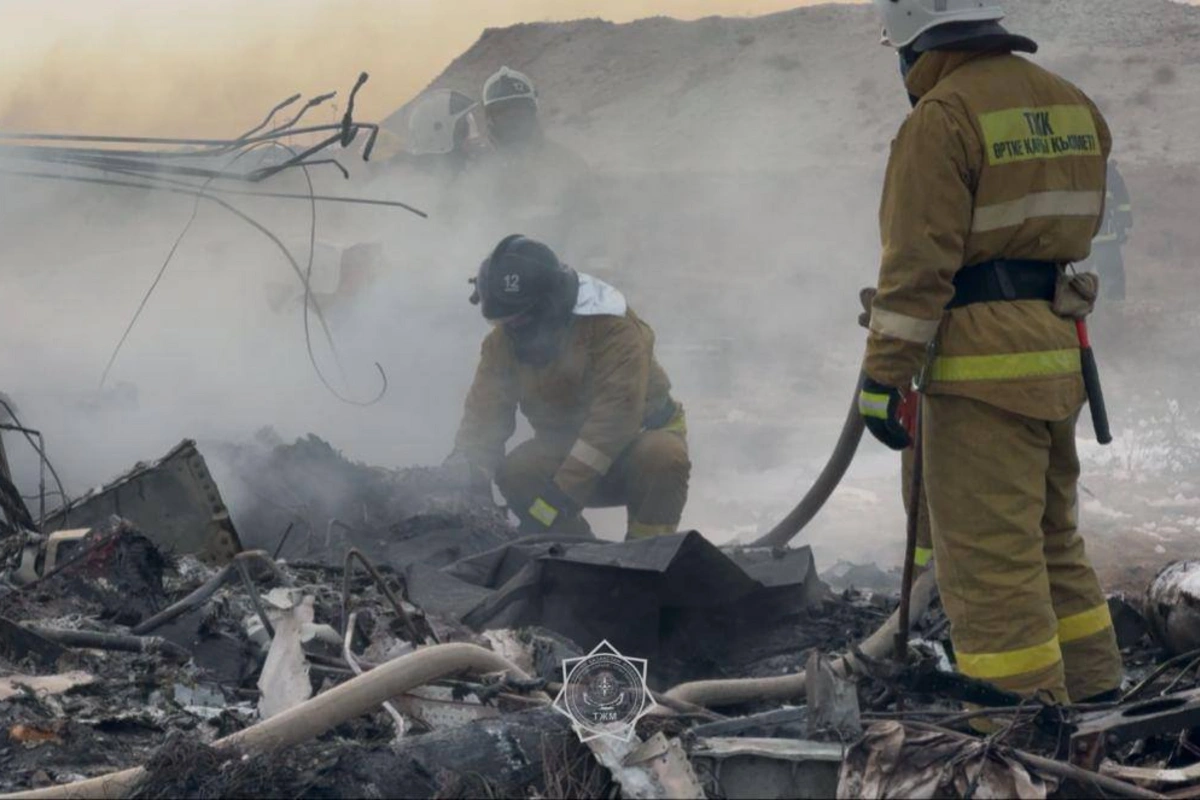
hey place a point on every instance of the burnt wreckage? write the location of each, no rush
(397, 638)
(359, 631)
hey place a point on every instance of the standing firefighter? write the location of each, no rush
(1107, 260)
(531, 182)
(569, 352)
(995, 183)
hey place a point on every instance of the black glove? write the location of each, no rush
(550, 506)
(890, 414)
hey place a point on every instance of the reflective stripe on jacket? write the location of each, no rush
(999, 159)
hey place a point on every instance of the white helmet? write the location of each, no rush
(508, 84)
(434, 122)
(905, 20)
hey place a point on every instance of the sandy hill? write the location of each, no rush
(809, 86)
(807, 101)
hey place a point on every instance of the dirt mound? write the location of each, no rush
(808, 86)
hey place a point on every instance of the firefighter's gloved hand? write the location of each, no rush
(866, 296)
(550, 506)
(890, 413)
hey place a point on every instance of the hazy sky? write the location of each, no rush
(202, 66)
(212, 66)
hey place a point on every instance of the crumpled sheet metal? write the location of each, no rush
(656, 769)
(662, 599)
(896, 761)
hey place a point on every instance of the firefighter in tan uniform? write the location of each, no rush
(569, 352)
(995, 183)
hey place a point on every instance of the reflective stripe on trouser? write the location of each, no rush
(1022, 599)
(650, 478)
(924, 550)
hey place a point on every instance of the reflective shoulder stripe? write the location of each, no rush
(591, 457)
(903, 327)
(543, 512)
(1105, 238)
(1084, 624)
(989, 666)
(922, 556)
(1040, 204)
(873, 405)
(1041, 364)
(1125, 207)
(642, 530)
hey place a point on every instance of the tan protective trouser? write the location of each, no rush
(650, 478)
(1025, 606)
(924, 537)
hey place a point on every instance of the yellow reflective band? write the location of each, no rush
(543, 512)
(1125, 207)
(642, 530)
(874, 405)
(1040, 364)
(1036, 205)
(1015, 662)
(1046, 132)
(1084, 624)
(903, 327)
(591, 456)
(921, 556)
(678, 423)
(1105, 238)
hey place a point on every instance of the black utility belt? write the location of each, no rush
(662, 417)
(1004, 280)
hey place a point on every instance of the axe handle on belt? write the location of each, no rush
(1091, 383)
(910, 544)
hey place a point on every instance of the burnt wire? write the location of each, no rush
(325, 198)
(41, 451)
(348, 570)
(167, 261)
(112, 359)
(205, 195)
(108, 162)
(270, 116)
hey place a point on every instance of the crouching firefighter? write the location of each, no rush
(995, 184)
(569, 352)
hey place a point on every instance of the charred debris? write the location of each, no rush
(368, 632)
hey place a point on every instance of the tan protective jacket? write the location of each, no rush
(595, 398)
(999, 159)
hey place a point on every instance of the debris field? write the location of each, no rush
(411, 644)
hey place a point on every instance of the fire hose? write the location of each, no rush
(852, 431)
(827, 481)
(312, 718)
(788, 687)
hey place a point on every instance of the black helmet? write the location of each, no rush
(522, 280)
